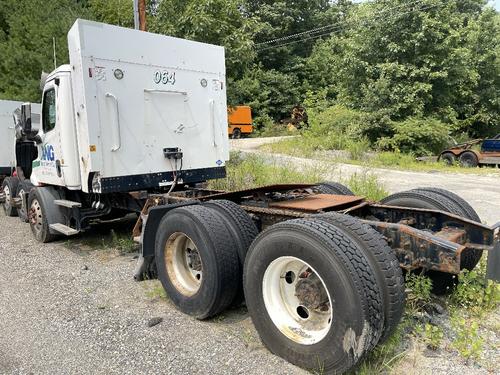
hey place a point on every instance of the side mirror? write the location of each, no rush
(38, 140)
(26, 117)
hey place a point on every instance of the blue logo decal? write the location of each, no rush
(219, 162)
(48, 153)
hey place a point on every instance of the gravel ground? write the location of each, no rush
(71, 311)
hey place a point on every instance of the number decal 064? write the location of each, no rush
(164, 77)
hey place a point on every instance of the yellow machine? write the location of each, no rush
(239, 121)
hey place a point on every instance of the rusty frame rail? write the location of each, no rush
(421, 238)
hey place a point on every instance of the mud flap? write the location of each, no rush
(146, 265)
(493, 267)
(145, 269)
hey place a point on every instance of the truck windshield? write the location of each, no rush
(49, 110)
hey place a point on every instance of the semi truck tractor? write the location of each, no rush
(132, 111)
(8, 133)
(7, 154)
(136, 120)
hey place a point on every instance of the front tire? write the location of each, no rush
(9, 187)
(43, 212)
(312, 296)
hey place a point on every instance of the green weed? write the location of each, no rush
(122, 242)
(433, 336)
(366, 185)
(244, 172)
(475, 292)
(467, 341)
(419, 288)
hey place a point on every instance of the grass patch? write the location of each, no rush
(358, 152)
(246, 171)
(101, 239)
(366, 185)
(385, 357)
(249, 171)
(154, 290)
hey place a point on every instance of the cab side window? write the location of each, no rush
(49, 110)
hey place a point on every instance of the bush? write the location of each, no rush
(337, 120)
(366, 185)
(420, 136)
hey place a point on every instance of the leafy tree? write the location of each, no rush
(27, 29)
(399, 60)
(211, 21)
(115, 12)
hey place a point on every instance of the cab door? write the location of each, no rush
(57, 162)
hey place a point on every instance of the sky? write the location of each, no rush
(495, 3)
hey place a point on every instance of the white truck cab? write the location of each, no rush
(131, 112)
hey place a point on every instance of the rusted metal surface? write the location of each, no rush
(420, 249)
(421, 238)
(238, 195)
(317, 202)
(434, 221)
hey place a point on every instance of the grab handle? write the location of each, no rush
(116, 133)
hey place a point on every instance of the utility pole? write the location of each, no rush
(140, 14)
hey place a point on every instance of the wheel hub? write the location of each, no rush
(310, 292)
(193, 259)
(183, 263)
(297, 300)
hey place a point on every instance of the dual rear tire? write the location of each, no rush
(199, 252)
(316, 293)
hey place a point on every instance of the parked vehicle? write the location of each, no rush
(239, 121)
(134, 129)
(7, 139)
(474, 153)
(121, 119)
(9, 147)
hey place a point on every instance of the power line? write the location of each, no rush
(312, 31)
(338, 26)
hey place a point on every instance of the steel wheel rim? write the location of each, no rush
(183, 264)
(8, 197)
(296, 318)
(36, 216)
(22, 208)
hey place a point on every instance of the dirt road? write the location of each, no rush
(481, 191)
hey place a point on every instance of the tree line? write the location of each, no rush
(395, 64)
